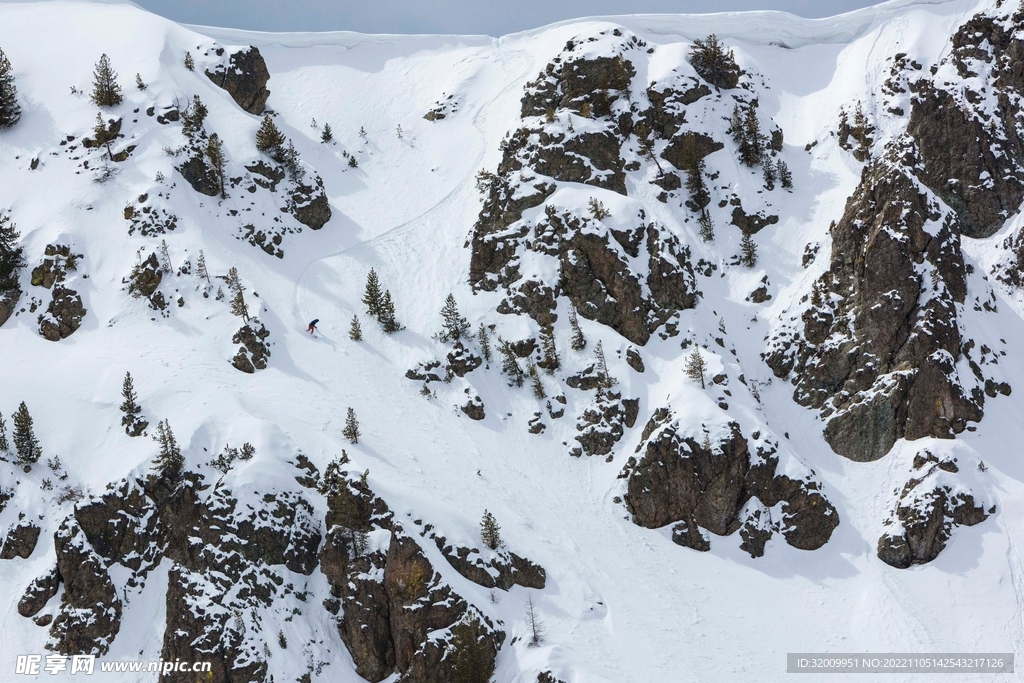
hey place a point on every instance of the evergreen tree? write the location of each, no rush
(372, 294)
(578, 341)
(132, 420)
(139, 82)
(399, 131)
(535, 382)
(289, 157)
(736, 124)
(785, 176)
(510, 363)
(11, 255)
(232, 281)
(246, 452)
(10, 110)
(768, 166)
(695, 185)
(752, 144)
(327, 134)
(387, 314)
(102, 134)
(748, 251)
(714, 63)
(533, 623)
(268, 138)
(646, 149)
(696, 367)
(472, 658)
(597, 209)
(453, 325)
(169, 462)
(26, 445)
(239, 307)
(351, 430)
(190, 63)
(490, 532)
(4, 444)
(165, 258)
(485, 342)
(105, 90)
(201, 270)
(192, 120)
(707, 226)
(218, 162)
(551, 360)
(606, 381)
(355, 332)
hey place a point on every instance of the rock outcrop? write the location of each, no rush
(254, 350)
(245, 78)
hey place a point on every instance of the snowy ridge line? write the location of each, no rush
(762, 27)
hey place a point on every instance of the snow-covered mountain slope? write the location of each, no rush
(842, 475)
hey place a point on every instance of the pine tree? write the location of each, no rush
(102, 134)
(399, 131)
(105, 91)
(510, 363)
(453, 325)
(785, 176)
(190, 63)
(471, 657)
(707, 226)
(578, 341)
(372, 294)
(169, 462)
(201, 270)
(714, 64)
(11, 255)
(485, 342)
(246, 452)
(695, 185)
(268, 138)
(218, 162)
(362, 132)
(232, 281)
(606, 381)
(351, 430)
(139, 82)
(748, 251)
(646, 149)
(10, 110)
(355, 332)
(327, 134)
(551, 360)
(533, 623)
(752, 144)
(4, 444)
(165, 258)
(736, 124)
(696, 367)
(768, 167)
(490, 532)
(387, 314)
(192, 120)
(132, 420)
(535, 382)
(597, 209)
(239, 307)
(26, 445)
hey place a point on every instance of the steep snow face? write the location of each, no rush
(276, 560)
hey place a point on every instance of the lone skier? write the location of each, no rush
(312, 326)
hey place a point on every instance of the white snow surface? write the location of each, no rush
(622, 603)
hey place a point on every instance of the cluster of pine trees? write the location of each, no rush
(380, 305)
(23, 439)
(272, 142)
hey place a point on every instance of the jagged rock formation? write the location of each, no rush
(602, 424)
(20, 542)
(244, 77)
(65, 311)
(254, 350)
(931, 504)
(721, 487)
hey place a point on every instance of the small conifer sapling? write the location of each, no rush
(696, 367)
(490, 532)
(351, 430)
(355, 331)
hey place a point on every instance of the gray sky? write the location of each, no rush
(449, 16)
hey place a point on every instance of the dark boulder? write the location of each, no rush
(245, 78)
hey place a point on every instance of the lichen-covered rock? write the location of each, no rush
(245, 78)
(931, 504)
(254, 351)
